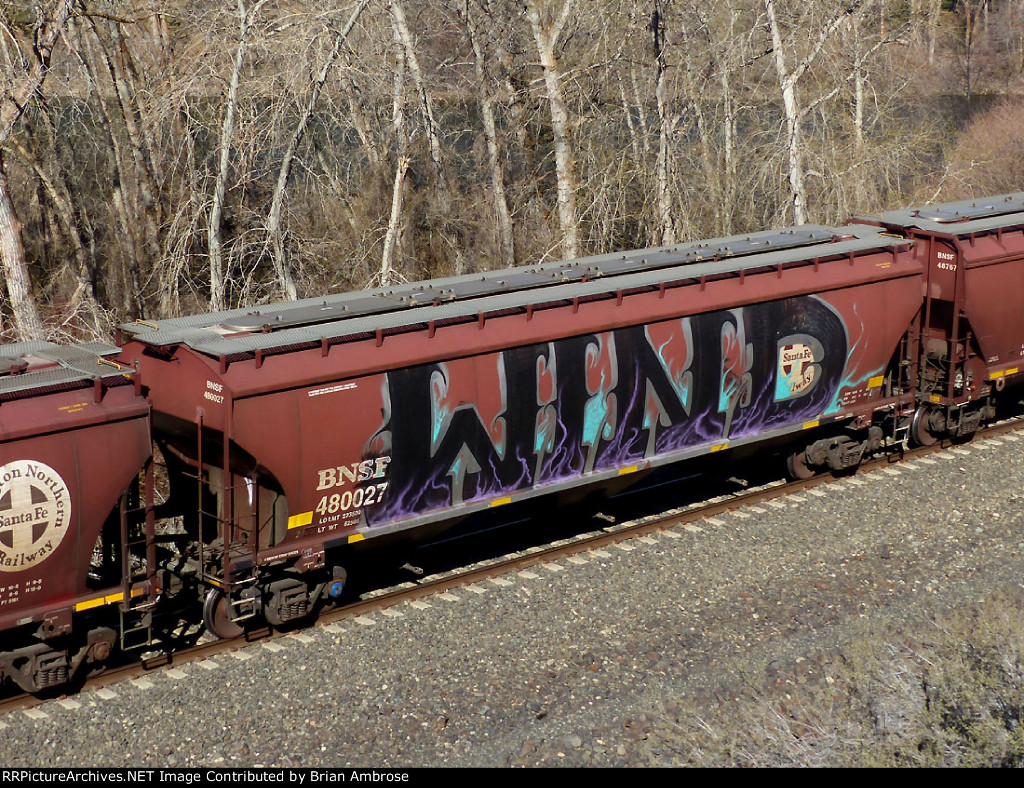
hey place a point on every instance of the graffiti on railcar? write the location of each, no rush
(737, 359)
(483, 426)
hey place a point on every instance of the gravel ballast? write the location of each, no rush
(582, 662)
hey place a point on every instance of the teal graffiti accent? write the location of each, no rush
(544, 439)
(849, 382)
(439, 417)
(681, 387)
(595, 417)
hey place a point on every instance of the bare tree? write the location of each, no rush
(285, 280)
(251, 150)
(84, 296)
(506, 244)
(218, 274)
(789, 71)
(968, 38)
(27, 321)
(386, 274)
(426, 102)
(442, 201)
(546, 34)
(132, 186)
(666, 219)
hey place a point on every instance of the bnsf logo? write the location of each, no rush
(946, 261)
(341, 475)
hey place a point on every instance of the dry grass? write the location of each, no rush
(947, 692)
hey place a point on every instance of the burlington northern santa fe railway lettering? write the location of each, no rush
(291, 437)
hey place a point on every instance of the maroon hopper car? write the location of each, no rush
(294, 431)
(244, 458)
(74, 436)
(972, 323)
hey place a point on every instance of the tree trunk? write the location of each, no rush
(859, 81)
(546, 38)
(442, 203)
(359, 120)
(730, 64)
(218, 276)
(137, 232)
(794, 130)
(506, 244)
(285, 280)
(788, 80)
(641, 111)
(429, 123)
(27, 322)
(666, 218)
(16, 99)
(627, 113)
(933, 29)
(386, 275)
(58, 195)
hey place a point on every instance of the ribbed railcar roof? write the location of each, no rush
(963, 217)
(314, 319)
(38, 365)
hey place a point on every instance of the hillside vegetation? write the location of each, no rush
(162, 157)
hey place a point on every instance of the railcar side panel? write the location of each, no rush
(58, 489)
(973, 251)
(994, 296)
(393, 448)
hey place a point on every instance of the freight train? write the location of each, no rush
(238, 462)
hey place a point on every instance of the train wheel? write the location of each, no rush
(796, 464)
(920, 430)
(216, 618)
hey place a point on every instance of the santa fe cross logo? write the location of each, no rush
(35, 508)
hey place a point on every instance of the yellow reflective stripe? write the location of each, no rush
(501, 501)
(810, 425)
(719, 447)
(109, 599)
(630, 469)
(935, 398)
(876, 382)
(299, 520)
(1012, 371)
(356, 538)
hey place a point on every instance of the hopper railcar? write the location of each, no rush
(301, 431)
(291, 436)
(969, 337)
(75, 442)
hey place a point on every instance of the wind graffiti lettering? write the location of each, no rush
(478, 427)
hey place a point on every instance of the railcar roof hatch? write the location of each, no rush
(38, 365)
(981, 210)
(961, 218)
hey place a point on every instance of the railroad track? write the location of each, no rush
(612, 533)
